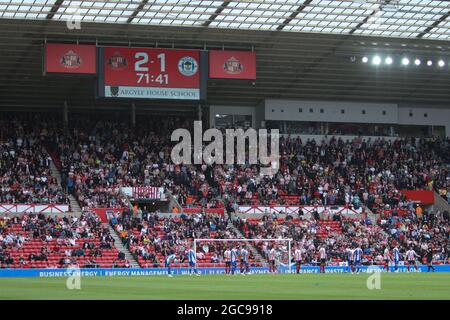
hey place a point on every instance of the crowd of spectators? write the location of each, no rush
(98, 156)
(352, 172)
(421, 233)
(57, 242)
(25, 176)
(151, 237)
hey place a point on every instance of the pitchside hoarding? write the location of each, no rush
(147, 73)
(135, 272)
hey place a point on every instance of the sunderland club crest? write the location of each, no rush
(117, 61)
(233, 66)
(70, 60)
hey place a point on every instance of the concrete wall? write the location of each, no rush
(425, 116)
(354, 112)
(330, 111)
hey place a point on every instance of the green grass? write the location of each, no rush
(304, 286)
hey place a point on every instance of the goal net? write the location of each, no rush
(261, 255)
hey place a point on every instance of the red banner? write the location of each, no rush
(70, 58)
(232, 64)
(425, 197)
(151, 73)
(190, 210)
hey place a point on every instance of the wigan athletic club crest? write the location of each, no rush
(117, 61)
(233, 66)
(187, 66)
(70, 60)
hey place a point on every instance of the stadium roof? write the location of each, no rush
(290, 65)
(428, 19)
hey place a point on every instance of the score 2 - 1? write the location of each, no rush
(141, 67)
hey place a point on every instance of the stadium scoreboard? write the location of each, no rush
(148, 73)
(152, 73)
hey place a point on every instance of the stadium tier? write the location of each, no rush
(37, 241)
(97, 158)
(24, 173)
(338, 236)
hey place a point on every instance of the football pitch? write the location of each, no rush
(221, 287)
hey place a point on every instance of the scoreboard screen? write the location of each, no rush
(147, 73)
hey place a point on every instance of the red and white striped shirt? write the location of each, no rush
(272, 253)
(386, 254)
(410, 255)
(227, 255)
(298, 255)
(322, 253)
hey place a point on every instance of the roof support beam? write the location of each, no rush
(54, 9)
(293, 15)
(215, 14)
(434, 25)
(374, 12)
(137, 10)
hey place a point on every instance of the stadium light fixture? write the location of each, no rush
(365, 59)
(388, 60)
(417, 62)
(429, 63)
(405, 61)
(441, 63)
(376, 60)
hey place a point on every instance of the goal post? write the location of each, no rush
(283, 257)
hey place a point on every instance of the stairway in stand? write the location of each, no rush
(252, 248)
(77, 211)
(119, 246)
(74, 206)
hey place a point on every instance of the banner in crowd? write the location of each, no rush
(190, 210)
(70, 58)
(424, 197)
(134, 272)
(103, 213)
(144, 192)
(294, 210)
(34, 208)
(225, 64)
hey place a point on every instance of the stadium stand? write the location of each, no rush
(97, 156)
(38, 241)
(152, 237)
(96, 160)
(24, 172)
(420, 233)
